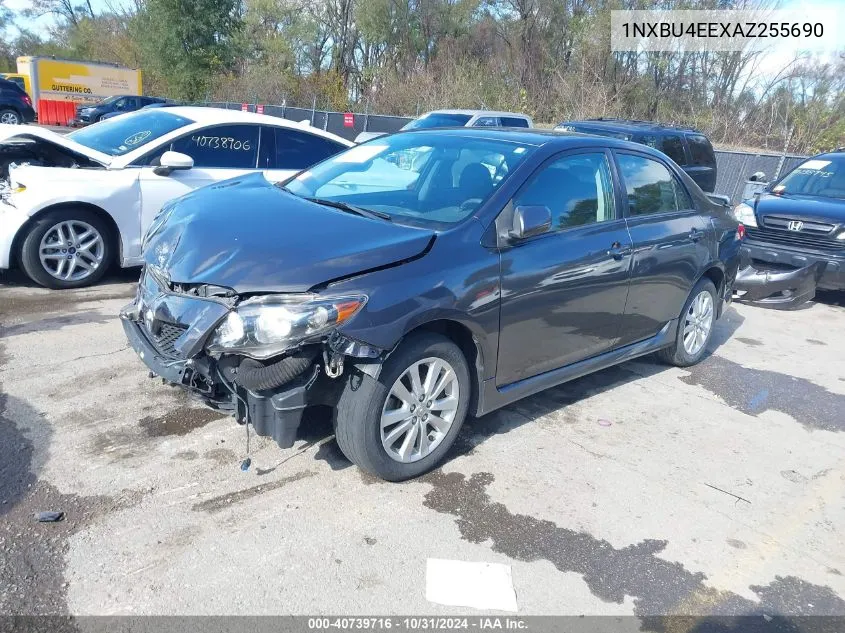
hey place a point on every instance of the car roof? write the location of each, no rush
(630, 125)
(479, 112)
(535, 137)
(207, 116)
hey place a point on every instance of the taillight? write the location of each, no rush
(27, 100)
(740, 232)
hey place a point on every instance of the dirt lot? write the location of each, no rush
(642, 489)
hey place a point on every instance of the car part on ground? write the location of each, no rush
(420, 278)
(777, 288)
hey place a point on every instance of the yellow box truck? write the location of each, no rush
(66, 80)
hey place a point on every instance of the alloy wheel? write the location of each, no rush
(71, 250)
(698, 322)
(419, 410)
(9, 118)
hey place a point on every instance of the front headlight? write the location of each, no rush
(745, 214)
(265, 326)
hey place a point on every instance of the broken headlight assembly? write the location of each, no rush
(744, 214)
(266, 326)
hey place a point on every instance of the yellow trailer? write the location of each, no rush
(49, 79)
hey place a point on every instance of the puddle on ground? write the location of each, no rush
(753, 391)
(658, 586)
(180, 421)
(32, 554)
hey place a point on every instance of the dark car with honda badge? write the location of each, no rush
(425, 276)
(795, 235)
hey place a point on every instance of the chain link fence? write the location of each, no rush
(334, 122)
(734, 169)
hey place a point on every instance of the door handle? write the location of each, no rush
(696, 234)
(618, 251)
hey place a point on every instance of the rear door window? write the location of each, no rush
(514, 121)
(224, 146)
(650, 186)
(298, 150)
(673, 147)
(701, 151)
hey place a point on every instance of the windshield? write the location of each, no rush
(425, 178)
(816, 177)
(121, 135)
(438, 119)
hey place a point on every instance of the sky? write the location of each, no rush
(771, 62)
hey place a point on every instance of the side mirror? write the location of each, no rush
(724, 201)
(171, 161)
(530, 220)
(757, 176)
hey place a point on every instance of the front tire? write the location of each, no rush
(402, 424)
(10, 117)
(70, 248)
(695, 327)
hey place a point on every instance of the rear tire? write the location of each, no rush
(423, 423)
(695, 327)
(10, 117)
(68, 248)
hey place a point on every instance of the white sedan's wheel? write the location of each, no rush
(67, 248)
(72, 250)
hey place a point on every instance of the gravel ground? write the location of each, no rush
(640, 490)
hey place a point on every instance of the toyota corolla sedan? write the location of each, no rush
(72, 205)
(499, 264)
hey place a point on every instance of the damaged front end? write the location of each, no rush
(264, 359)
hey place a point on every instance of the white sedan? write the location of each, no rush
(71, 205)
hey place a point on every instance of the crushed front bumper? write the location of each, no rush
(783, 278)
(167, 331)
(277, 415)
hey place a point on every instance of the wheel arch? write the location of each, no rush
(104, 215)
(715, 273)
(13, 109)
(461, 335)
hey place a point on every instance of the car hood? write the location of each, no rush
(251, 236)
(829, 210)
(12, 133)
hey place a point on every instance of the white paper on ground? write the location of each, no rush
(477, 585)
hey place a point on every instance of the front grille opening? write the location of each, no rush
(794, 238)
(165, 339)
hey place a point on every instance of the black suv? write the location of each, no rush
(424, 276)
(795, 234)
(689, 148)
(15, 104)
(86, 114)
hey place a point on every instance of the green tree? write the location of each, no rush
(186, 43)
